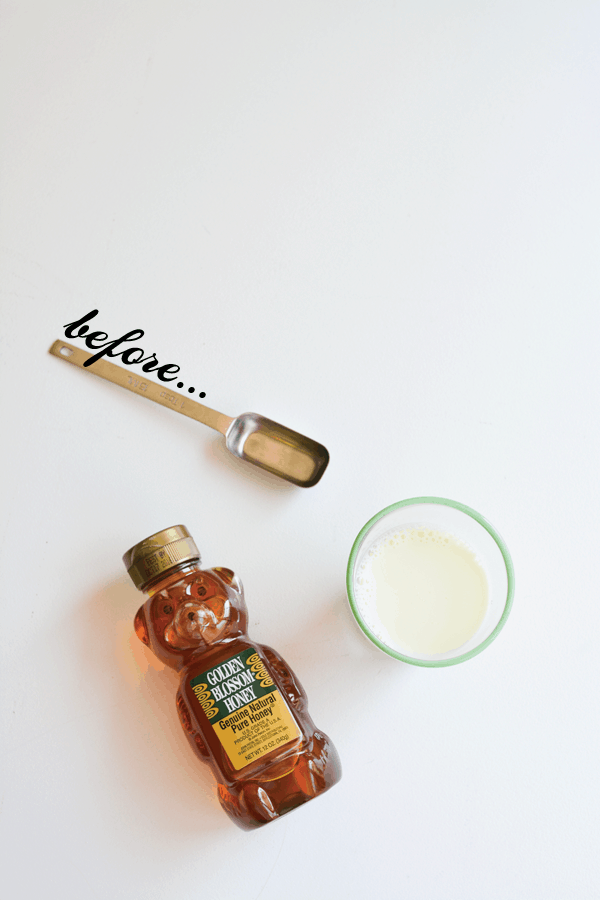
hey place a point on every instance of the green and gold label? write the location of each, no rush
(245, 707)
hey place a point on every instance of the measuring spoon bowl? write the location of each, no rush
(277, 449)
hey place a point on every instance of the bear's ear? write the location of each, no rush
(229, 578)
(141, 626)
(225, 574)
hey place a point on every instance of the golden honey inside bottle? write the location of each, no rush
(241, 706)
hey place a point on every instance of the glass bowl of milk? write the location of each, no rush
(430, 581)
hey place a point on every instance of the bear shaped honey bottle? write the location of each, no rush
(241, 707)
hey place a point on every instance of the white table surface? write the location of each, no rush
(376, 223)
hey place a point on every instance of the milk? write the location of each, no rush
(421, 591)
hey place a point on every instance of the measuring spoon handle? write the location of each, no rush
(148, 389)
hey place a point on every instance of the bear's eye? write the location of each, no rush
(167, 610)
(201, 591)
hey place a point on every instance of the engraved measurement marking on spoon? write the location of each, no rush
(142, 385)
(172, 398)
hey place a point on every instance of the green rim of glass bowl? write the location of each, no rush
(432, 663)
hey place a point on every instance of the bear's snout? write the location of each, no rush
(194, 624)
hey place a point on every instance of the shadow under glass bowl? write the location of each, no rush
(470, 528)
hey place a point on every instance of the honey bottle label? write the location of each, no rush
(245, 707)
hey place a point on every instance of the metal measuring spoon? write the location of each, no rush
(251, 437)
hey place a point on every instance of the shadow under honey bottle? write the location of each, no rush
(242, 708)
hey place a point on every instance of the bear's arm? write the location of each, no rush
(293, 688)
(193, 736)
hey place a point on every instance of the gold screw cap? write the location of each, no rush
(159, 552)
